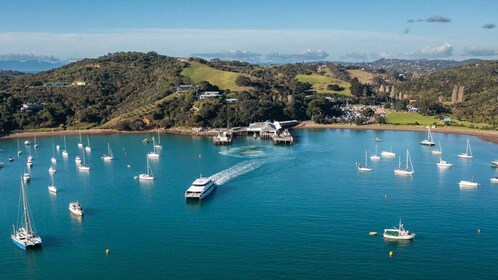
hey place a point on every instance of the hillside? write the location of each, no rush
(135, 91)
(480, 87)
(198, 72)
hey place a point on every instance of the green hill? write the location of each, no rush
(480, 87)
(198, 72)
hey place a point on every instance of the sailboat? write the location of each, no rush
(375, 156)
(109, 155)
(51, 187)
(468, 152)
(80, 144)
(53, 159)
(158, 145)
(364, 169)
(406, 170)
(438, 151)
(88, 148)
(149, 175)
(24, 235)
(154, 153)
(429, 141)
(51, 169)
(30, 158)
(19, 152)
(36, 144)
(82, 166)
(64, 152)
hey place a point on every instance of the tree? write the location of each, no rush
(243, 81)
(356, 89)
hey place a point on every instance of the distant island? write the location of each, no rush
(138, 91)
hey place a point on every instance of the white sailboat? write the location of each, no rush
(51, 169)
(468, 152)
(109, 155)
(429, 141)
(36, 144)
(364, 168)
(80, 144)
(375, 156)
(83, 166)
(158, 145)
(148, 175)
(154, 153)
(64, 152)
(24, 235)
(75, 208)
(438, 151)
(53, 159)
(88, 148)
(29, 163)
(51, 187)
(408, 170)
(19, 152)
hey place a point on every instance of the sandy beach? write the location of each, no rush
(486, 135)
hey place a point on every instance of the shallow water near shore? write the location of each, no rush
(289, 212)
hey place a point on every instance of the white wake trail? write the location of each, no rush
(239, 169)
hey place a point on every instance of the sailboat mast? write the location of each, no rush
(366, 159)
(407, 156)
(25, 207)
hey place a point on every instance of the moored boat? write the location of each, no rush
(494, 180)
(468, 184)
(75, 208)
(375, 156)
(443, 163)
(408, 170)
(429, 141)
(364, 168)
(494, 163)
(398, 233)
(147, 176)
(24, 235)
(468, 152)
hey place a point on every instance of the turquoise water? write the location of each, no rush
(279, 212)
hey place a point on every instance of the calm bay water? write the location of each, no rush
(298, 212)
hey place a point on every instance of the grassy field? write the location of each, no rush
(200, 72)
(363, 76)
(320, 83)
(393, 117)
(403, 118)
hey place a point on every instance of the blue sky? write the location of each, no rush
(253, 30)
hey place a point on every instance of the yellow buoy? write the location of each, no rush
(390, 253)
(372, 233)
(107, 252)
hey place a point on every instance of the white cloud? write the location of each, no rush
(445, 50)
(247, 43)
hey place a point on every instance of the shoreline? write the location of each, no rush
(486, 135)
